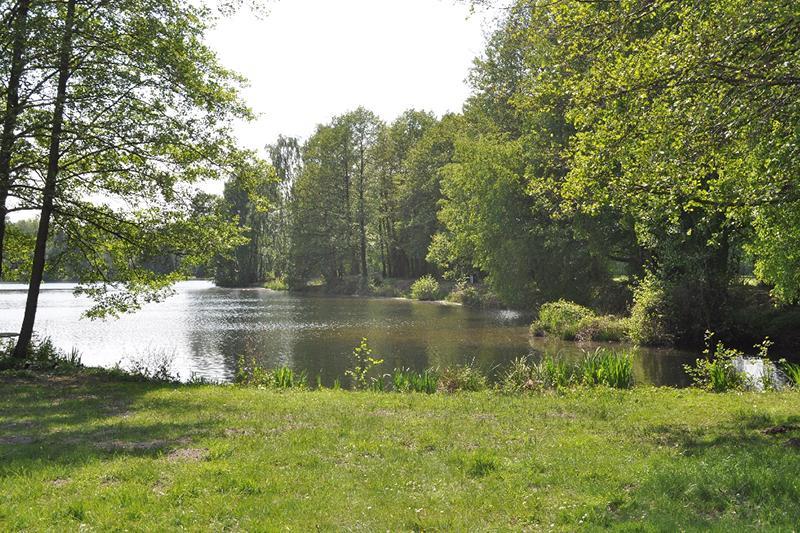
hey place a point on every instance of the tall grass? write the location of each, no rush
(792, 371)
(606, 367)
(253, 374)
(601, 367)
(407, 380)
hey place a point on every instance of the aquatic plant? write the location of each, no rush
(716, 371)
(407, 380)
(606, 367)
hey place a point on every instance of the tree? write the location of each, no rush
(249, 198)
(140, 112)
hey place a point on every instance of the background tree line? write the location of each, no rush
(634, 156)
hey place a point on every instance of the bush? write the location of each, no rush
(277, 284)
(425, 288)
(602, 329)
(461, 378)
(42, 355)
(466, 295)
(649, 320)
(716, 372)
(474, 296)
(561, 318)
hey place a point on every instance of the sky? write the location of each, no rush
(309, 60)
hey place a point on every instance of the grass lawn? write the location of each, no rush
(86, 452)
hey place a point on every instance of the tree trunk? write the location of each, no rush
(39, 253)
(11, 114)
(362, 216)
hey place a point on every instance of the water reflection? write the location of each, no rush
(205, 329)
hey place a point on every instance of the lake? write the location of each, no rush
(203, 329)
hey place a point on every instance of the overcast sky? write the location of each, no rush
(309, 60)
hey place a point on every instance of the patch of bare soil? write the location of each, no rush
(187, 454)
(777, 430)
(16, 439)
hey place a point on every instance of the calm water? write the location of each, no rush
(204, 328)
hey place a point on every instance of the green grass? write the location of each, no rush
(86, 452)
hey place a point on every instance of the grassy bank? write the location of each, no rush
(87, 450)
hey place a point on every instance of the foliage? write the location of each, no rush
(649, 320)
(474, 296)
(249, 199)
(407, 380)
(716, 371)
(601, 367)
(607, 367)
(792, 372)
(363, 365)
(277, 284)
(42, 355)
(425, 288)
(607, 328)
(561, 318)
(252, 374)
(155, 365)
(461, 378)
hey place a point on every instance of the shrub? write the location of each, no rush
(649, 320)
(461, 378)
(561, 318)
(601, 329)
(425, 288)
(363, 363)
(42, 355)
(277, 284)
(716, 371)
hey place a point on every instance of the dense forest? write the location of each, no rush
(638, 157)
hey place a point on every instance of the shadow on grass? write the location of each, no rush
(720, 477)
(73, 420)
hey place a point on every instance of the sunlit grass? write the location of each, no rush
(87, 453)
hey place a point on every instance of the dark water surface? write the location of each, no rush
(204, 328)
